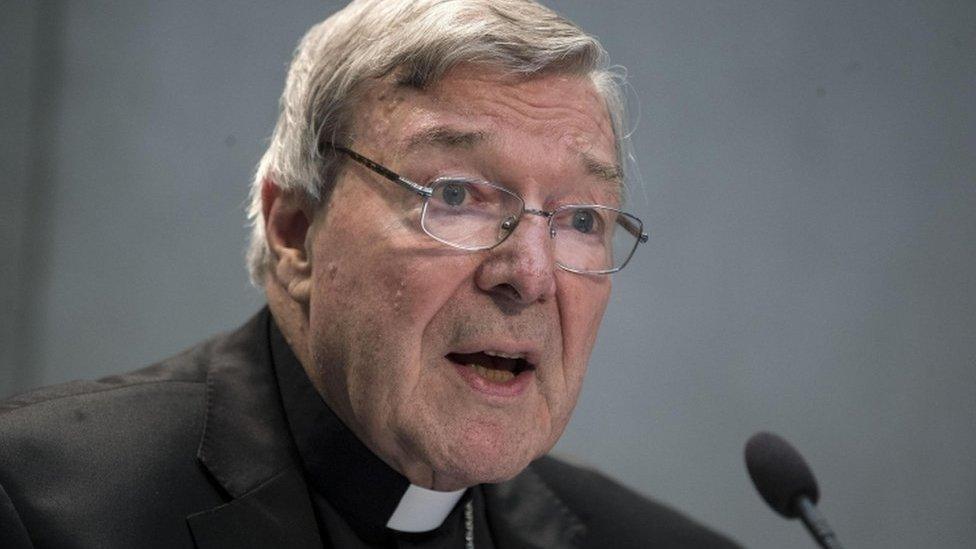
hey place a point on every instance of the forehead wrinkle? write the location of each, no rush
(532, 101)
(556, 111)
(566, 125)
(550, 118)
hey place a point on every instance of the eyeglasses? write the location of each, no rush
(473, 214)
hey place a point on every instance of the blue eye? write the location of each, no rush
(583, 221)
(453, 193)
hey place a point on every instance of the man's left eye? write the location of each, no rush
(454, 193)
(583, 220)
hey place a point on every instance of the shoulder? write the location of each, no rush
(613, 512)
(165, 402)
(188, 367)
(74, 454)
(77, 427)
(176, 376)
(162, 402)
(50, 406)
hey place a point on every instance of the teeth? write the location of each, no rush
(501, 354)
(497, 376)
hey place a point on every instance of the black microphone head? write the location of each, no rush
(779, 473)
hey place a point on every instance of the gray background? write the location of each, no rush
(808, 174)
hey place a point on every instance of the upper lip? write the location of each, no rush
(524, 351)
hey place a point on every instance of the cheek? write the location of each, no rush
(410, 291)
(390, 272)
(581, 312)
(356, 274)
(383, 292)
(583, 303)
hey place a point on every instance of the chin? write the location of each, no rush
(469, 474)
(480, 459)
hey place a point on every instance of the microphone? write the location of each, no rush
(784, 480)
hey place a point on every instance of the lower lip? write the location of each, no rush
(511, 388)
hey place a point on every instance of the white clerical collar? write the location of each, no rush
(422, 510)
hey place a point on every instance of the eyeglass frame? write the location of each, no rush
(428, 192)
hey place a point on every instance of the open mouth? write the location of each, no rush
(493, 366)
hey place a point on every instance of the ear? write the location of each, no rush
(287, 218)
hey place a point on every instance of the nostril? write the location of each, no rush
(509, 291)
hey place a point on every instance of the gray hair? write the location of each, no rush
(418, 42)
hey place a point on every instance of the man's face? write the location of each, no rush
(396, 319)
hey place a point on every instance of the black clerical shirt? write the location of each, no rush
(354, 492)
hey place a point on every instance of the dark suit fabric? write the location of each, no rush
(195, 452)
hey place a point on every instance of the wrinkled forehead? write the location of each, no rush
(473, 106)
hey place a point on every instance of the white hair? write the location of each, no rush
(417, 41)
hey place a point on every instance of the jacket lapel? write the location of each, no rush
(525, 513)
(275, 514)
(248, 451)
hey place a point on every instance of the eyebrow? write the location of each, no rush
(446, 136)
(597, 168)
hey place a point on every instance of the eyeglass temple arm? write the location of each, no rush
(389, 174)
(633, 228)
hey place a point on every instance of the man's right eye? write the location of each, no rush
(454, 193)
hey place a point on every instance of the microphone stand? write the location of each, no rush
(816, 524)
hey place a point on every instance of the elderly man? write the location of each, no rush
(435, 225)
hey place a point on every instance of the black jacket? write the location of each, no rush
(195, 452)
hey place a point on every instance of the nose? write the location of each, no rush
(522, 268)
